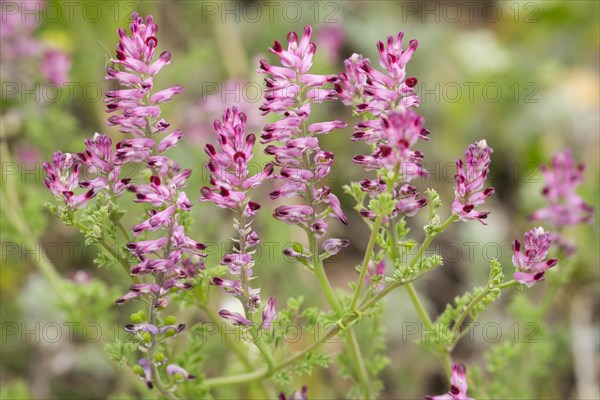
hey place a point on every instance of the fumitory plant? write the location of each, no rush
(171, 275)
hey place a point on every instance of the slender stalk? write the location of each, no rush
(263, 373)
(425, 318)
(367, 258)
(419, 306)
(463, 316)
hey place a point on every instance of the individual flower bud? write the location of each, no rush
(269, 313)
(334, 246)
(178, 373)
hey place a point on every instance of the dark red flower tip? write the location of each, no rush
(468, 208)
(539, 276)
(206, 192)
(454, 390)
(210, 149)
(277, 47)
(269, 169)
(411, 82)
(253, 206)
(151, 41)
(516, 245)
(155, 180)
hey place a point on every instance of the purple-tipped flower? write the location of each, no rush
(470, 179)
(269, 313)
(235, 318)
(334, 246)
(147, 370)
(458, 385)
(178, 372)
(566, 207)
(532, 264)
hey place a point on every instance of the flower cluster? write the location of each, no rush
(291, 91)
(470, 178)
(377, 92)
(139, 108)
(532, 264)
(389, 124)
(172, 257)
(458, 385)
(566, 207)
(230, 180)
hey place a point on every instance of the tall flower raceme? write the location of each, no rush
(385, 101)
(458, 385)
(230, 184)
(165, 258)
(291, 92)
(470, 180)
(172, 257)
(565, 207)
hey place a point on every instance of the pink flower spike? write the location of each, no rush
(565, 207)
(470, 179)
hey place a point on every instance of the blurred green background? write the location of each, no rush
(522, 75)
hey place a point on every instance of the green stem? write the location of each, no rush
(367, 258)
(263, 373)
(419, 306)
(361, 369)
(409, 287)
(322, 278)
(463, 316)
